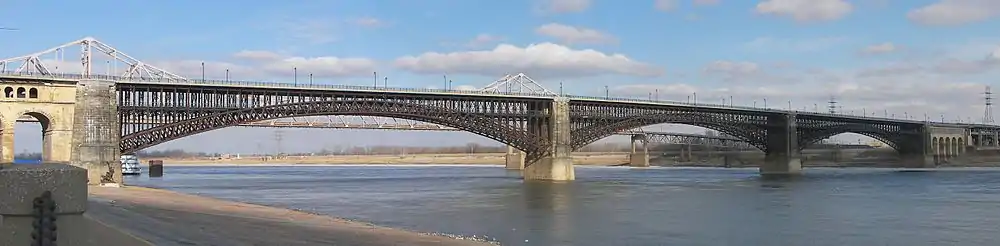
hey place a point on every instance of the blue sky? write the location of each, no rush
(877, 55)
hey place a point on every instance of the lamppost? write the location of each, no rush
(202, 72)
(227, 75)
(295, 76)
(607, 92)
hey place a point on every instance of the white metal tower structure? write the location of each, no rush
(92, 52)
(517, 84)
(832, 107)
(988, 110)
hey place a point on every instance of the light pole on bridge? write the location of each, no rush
(295, 76)
(310, 79)
(765, 102)
(445, 81)
(449, 84)
(560, 88)
(385, 82)
(375, 79)
(227, 75)
(730, 101)
(657, 94)
(695, 97)
(607, 93)
(202, 72)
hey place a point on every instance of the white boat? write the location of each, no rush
(130, 165)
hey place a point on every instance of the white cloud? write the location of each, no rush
(955, 12)
(806, 10)
(565, 6)
(949, 87)
(572, 35)
(539, 60)
(665, 5)
(255, 64)
(996, 54)
(880, 48)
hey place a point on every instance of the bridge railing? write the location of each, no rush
(269, 84)
(449, 91)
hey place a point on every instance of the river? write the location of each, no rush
(624, 206)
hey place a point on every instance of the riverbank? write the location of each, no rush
(169, 218)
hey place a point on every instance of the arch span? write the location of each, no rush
(479, 124)
(38, 134)
(807, 137)
(752, 134)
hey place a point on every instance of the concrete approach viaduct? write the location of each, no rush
(88, 119)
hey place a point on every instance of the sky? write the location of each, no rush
(885, 57)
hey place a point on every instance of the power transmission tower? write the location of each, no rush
(278, 135)
(833, 105)
(988, 111)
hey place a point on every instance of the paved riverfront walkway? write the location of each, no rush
(167, 218)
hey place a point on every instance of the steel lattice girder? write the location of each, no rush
(194, 110)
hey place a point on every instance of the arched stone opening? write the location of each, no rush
(22, 93)
(33, 93)
(33, 140)
(8, 92)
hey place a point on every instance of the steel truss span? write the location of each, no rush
(193, 109)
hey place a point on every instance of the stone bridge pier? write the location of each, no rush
(557, 164)
(514, 159)
(782, 157)
(916, 151)
(96, 132)
(639, 157)
(946, 143)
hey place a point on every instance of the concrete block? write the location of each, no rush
(23, 183)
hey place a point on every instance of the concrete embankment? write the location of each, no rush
(170, 218)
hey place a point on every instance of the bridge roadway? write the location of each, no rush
(546, 128)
